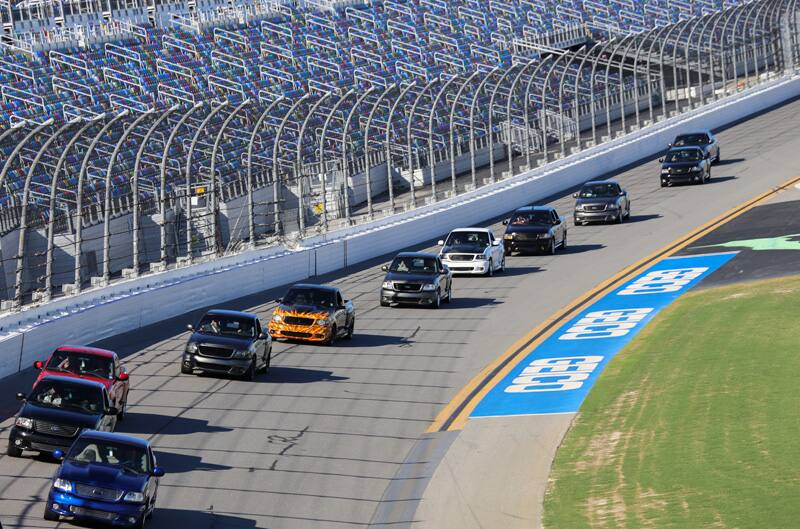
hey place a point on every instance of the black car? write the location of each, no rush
(601, 201)
(703, 139)
(685, 165)
(416, 278)
(57, 410)
(228, 342)
(533, 228)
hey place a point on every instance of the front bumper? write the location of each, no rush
(515, 245)
(422, 297)
(309, 333)
(682, 178)
(468, 267)
(597, 216)
(29, 440)
(224, 366)
(116, 514)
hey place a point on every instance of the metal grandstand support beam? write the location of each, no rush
(460, 91)
(324, 169)
(431, 116)
(561, 99)
(189, 239)
(400, 98)
(543, 119)
(345, 132)
(472, 106)
(215, 192)
(639, 49)
(743, 9)
(367, 165)
(607, 87)
(107, 192)
(19, 289)
(135, 185)
(277, 192)
(529, 146)
(48, 276)
(724, 47)
(755, 11)
(11, 157)
(701, 46)
(163, 179)
(410, 142)
(664, 106)
(649, 70)
(298, 165)
(691, 27)
(11, 130)
(490, 131)
(589, 53)
(622, 116)
(592, 107)
(509, 102)
(79, 206)
(251, 228)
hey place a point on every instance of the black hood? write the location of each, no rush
(60, 416)
(464, 248)
(302, 307)
(597, 200)
(528, 228)
(680, 165)
(411, 278)
(233, 342)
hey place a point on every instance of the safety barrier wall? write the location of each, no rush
(135, 303)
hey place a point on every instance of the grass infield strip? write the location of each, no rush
(695, 424)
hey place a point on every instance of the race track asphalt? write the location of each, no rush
(329, 438)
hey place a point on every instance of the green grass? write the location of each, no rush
(695, 424)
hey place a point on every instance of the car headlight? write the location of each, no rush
(242, 353)
(429, 286)
(695, 169)
(134, 497)
(387, 285)
(544, 235)
(323, 321)
(191, 347)
(24, 422)
(665, 171)
(508, 236)
(277, 317)
(63, 485)
(613, 206)
(578, 207)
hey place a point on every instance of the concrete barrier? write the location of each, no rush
(130, 304)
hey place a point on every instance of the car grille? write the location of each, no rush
(462, 268)
(528, 236)
(294, 320)
(597, 207)
(97, 493)
(460, 257)
(296, 334)
(215, 352)
(93, 513)
(50, 428)
(408, 287)
(679, 171)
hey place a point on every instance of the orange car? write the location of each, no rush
(314, 313)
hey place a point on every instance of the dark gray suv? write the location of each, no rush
(603, 201)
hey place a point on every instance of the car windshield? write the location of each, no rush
(414, 265)
(81, 364)
(531, 217)
(63, 395)
(684, 155)
(127, 456)
(690, 139)
(227, 325)
(310, 296)
(470, 238)
(599, 191)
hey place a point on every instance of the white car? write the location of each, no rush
(473, 251)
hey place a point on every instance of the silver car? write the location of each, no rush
(603, 201)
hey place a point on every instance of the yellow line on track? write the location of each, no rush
(455, 414)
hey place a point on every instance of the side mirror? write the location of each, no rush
(346, 301)
(190, 328)
(556, 222)
(58, 454)
(661, 160)
(38, 365)
(112, 411)
(157, 472)
(505, 222)
(444, 271)
(279, 301)
(440, 243)
(123, 377)
(623, 193)
(496, 242)
(385, 268)
(669, 145)
(21, 396)
(574, 195)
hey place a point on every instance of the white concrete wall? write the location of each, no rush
(131, 304)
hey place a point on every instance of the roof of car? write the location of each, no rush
(471, 229)
(83, 349)
(595, 182)
(701, 131)
(416, 254)
(316, 287)
(236, 313)
(73, 380)
(109, 436)
(686, 148)
(525, 209)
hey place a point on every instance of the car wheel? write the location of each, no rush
(564, 241)
(350, 329)
(503, 264)
(449, 297)
(50, 515)
(384, 303)
(267, 360)
(334, 333)
(121, 414)
(437, 302)
(13, 451)
(250, 374)
(552, 249)
(186, 370)
(490, 271)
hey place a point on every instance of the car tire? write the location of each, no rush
(13, 451)
(50, 515)
(121, 414)
(267, 361)
(332, 339)
(437, 302)
(350, 329)
(552, 249)
(250, 374)
(384, 303)
(564, 241)
(449, 297)
(186, 370)
(490, 271)
(503, 264)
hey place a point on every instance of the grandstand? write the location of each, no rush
(153, 133)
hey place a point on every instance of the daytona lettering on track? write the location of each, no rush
(557, 375)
